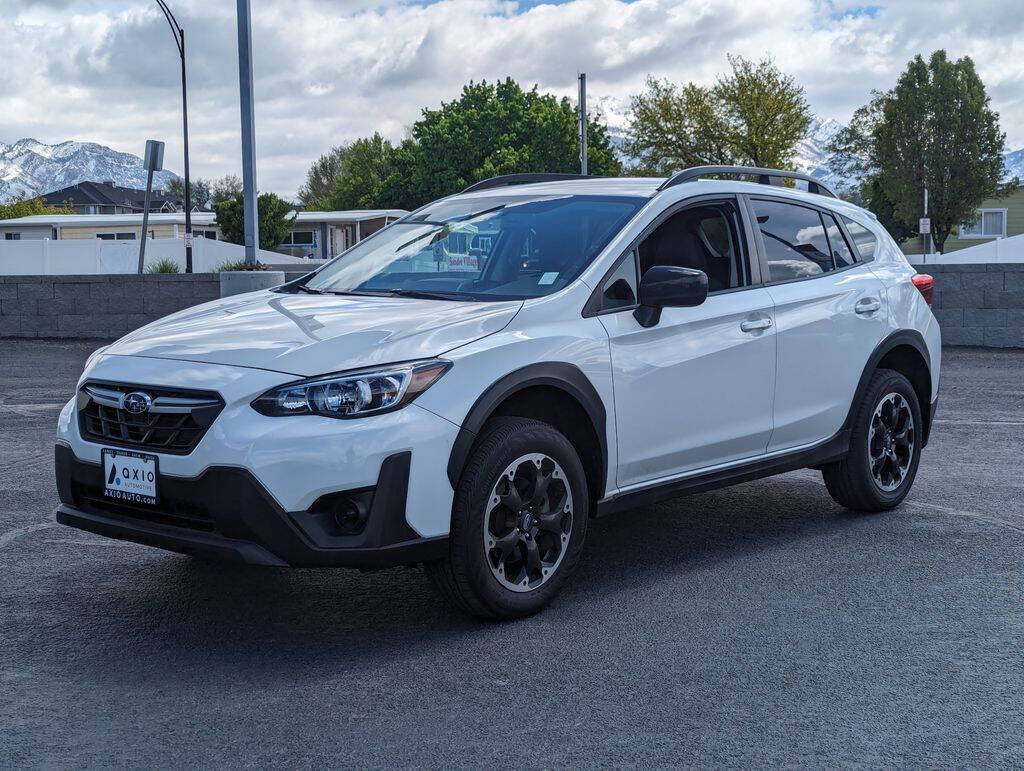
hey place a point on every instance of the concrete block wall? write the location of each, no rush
(96, 306)
(979, 304)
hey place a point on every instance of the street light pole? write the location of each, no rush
(179, 41)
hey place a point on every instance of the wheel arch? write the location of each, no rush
(905, 352)
(558, 394)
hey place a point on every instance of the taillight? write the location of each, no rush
(925, 285)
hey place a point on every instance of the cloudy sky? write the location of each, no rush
(328, 71)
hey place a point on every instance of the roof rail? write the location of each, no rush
(521, 179)
(764, 177)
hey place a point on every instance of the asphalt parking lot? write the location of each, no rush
(756, 625)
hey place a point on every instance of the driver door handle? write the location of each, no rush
(755, 325)
(867, 305)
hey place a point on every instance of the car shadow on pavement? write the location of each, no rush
(170, 609)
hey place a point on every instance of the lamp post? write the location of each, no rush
(179, 40)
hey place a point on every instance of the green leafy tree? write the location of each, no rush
(764, 111)
(492, 129)
(275, 219)
(935, 129)
(200, 190)
(322, 176)
(754, 115)
(674, 127)
(225, 188)
(26, 207)
(360, 178)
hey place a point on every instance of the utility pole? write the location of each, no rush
(583, 123)
(928, 235)
(152, 160)
(245, 93)
(179, 41)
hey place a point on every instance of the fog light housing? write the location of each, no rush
(336, 518)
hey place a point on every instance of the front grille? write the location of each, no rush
(174, 421)
(191, 516)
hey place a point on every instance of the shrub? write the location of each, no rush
(166, 265)
(238, 265)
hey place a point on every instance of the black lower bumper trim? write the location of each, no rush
(237, 520)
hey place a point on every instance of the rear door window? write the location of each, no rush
(794, 240)
(840, 249)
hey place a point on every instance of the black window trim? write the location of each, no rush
(751, 253)
(762, 253)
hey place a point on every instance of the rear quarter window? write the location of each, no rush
(864, 241)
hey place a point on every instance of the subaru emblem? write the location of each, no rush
(137, 402)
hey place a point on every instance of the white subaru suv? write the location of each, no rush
(467, 387)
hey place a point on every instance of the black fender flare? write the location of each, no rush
(565, 377)
(910, 337)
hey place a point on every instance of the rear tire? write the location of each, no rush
(518, 522)
(885, 447)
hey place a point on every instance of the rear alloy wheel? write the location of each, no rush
(885, 446)
(891, 440)
(518, 521)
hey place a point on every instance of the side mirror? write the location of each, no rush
(667, 286)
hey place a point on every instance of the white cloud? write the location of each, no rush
(330, 71)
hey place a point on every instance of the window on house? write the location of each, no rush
(299, 238)
(210, 234)
(12, 236)
(118, 236)
(990, 223)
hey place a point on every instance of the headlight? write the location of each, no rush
(353, 394)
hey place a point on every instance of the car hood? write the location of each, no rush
(307, 335)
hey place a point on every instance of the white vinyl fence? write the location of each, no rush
(999, 250)
(95, 256)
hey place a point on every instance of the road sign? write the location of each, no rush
(924, 225)
(188, 240)
(153, 158)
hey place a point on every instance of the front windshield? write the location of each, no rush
(483, 248)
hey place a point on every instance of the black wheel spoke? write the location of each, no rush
(532, 557)
(506, 544)
(552, 523)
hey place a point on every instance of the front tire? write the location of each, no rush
(885, 447)
(518, 522)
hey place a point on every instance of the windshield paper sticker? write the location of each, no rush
(548, 278)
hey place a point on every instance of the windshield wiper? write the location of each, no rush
(421, 294)
(307, 289)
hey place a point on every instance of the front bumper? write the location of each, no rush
(225, 513)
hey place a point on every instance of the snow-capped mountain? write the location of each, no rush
(30, 168)
(811, 153)
(1013, 161)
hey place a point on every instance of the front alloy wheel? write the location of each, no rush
(528, 522)
(519, 520)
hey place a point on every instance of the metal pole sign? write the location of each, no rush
(152, 160)
(583, 123)
(924, 225)
(251, 215)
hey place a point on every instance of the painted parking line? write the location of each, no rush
(1016, 527)
(979, 422)
(12, 535)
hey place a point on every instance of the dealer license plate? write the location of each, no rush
(130, 476)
